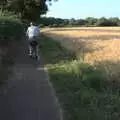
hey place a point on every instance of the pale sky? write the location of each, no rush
(84, 8)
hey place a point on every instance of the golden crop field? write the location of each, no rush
(97, 46)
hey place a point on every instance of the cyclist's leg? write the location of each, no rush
(30, 49)
(36, 49)
(37, 46)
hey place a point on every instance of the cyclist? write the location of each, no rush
(33, 33)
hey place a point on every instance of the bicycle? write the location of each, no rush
(33, 50)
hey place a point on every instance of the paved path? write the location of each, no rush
(29, 95)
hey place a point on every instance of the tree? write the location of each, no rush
(91, 21)
(108, 22)
(115, 20)
(72, 21)
(28, 9)
(82, 22)
(101, 22)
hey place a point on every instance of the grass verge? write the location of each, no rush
(83, 91)
(11, 32)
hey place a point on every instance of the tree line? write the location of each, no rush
(90, 21)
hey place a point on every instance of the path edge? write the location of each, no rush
(54, 93)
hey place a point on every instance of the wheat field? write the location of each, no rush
(99, 47)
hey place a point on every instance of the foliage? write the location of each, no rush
(27, 9)
(58, 22)
(10, 28)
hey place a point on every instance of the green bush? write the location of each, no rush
(10, 29)
(6, 15)
(10, 26)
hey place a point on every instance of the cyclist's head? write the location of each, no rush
(31, 24)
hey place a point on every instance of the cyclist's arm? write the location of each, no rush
(38, 31)
(27, 32)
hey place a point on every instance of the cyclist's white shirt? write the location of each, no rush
(32, 31)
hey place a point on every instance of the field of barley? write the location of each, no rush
(99, 47)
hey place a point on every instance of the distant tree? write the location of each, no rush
(101, 21)
(66, 21)
(81, 22)
(46, 21)
(72, 21)
(108, 22)
(115, 20)
(90, 21)
(54, 25)
(41, 25)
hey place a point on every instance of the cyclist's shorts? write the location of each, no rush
(33, 43)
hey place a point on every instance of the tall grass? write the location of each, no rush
(96, 46)
(83, 91)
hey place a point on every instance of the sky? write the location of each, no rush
(84, 8)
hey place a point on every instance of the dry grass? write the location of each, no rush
(97, 46)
